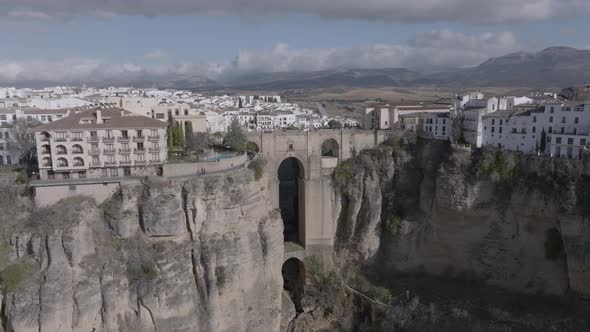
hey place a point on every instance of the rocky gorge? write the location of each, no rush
(430, 238)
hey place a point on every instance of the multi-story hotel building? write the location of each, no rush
(100, 143)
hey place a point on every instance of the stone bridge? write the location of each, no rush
(300, 167)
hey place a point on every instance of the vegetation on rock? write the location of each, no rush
(257, 166)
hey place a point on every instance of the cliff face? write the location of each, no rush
(515, 221)
(200, 255)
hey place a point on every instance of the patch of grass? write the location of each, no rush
(257, 166)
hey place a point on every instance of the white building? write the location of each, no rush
(59, 103)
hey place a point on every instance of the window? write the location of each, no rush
(551, 118)
(127, 171)
(563, 119)
(501, 122)
(570, 141)
(62, 162)
(155, 157)
(61, 149)
(95, 161)
(110, 159)
(110, 147)
(558, 140)
(124, 134)
(82, 175)
(576, 120)
(154, 133)
(125, 158)
(114, 172)
(77, 136)
(562, 130)
(43, 118)
(534, 119)
(551, 110)
(550, 130)
(140, 157)
(125, 147)
(582, 141)
(493, 129)
(500, 130)
(78, 161)
(93, 134)
(105, 172)
(176, 112)
(186, 112)
(77, 149)
(66, 175)
(160, 116)
(1, 146)
(493, 122)
(534, 129)
(140, 146)
(3, 117)
(155, 145)
(139, 133)
(109, 133)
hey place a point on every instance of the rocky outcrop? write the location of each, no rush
(515, 221)
(198, 255)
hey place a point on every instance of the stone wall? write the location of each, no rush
(188, 168)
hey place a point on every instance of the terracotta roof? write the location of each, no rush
(117, 118)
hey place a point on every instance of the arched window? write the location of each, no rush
(78, 161)
(45, 149)
(46, 162)
(61, 149)
(62, 162)
(290, 147)
(77, 149)
(45, 136)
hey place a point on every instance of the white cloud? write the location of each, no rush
(155, 54)
(472, 11)
(428, 50)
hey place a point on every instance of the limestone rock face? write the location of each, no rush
(516, 221)
(200, 255)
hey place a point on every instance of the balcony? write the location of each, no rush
(77, 139)
(113, 151)
(110, 163)
(138, 151)
(138, 139)
(92, 164)
(108, 139)
(155, 162)
(61, 139)
(152, 150)
(125, 163)
(124, 151)
(94, 152)
(140, 162)
(45, 151)
(93, 139)
(123, 139)
(154, 138)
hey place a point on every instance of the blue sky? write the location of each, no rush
(77, 38)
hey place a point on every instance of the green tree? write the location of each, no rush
(170, 131)
(235, 139)
(181, 134)
(333, 124)
(21, 141)
(543, 141)
(189, 140)
(457, 129)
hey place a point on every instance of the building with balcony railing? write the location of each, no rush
(564, 127)
(98, 142)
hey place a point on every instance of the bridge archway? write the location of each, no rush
(293, 272)
(291, 175)
(252, 146)
(330, 148)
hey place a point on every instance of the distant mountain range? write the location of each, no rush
(550, 68)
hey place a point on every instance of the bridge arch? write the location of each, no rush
(291, 181)
(330, 148)
(252, 146)
(293, 272)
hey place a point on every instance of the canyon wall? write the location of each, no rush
(516, 221)
(197, 255)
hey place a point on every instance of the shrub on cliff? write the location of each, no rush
(392, 225)
(13, 275)
(257, 166)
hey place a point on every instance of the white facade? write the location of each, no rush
(60, 103)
